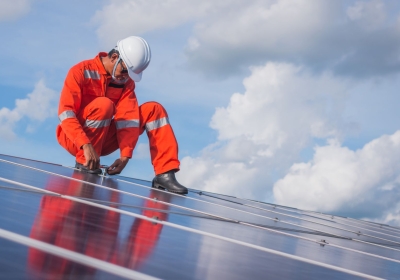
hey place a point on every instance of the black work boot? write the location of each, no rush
(83, 168)
(168, 181)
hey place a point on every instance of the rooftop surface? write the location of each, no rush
(58, 222)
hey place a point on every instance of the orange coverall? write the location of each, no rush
(94, 109)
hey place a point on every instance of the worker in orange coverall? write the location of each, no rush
(99, 114)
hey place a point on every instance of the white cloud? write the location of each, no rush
(7, 120)
(319, 34)
(262, 131)
(11, 10)
(37, 107)
(208, 174)
(293, 99)
(228, 36)
(118, 19)
(362, 181)
(391, 215)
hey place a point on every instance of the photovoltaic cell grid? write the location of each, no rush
(58, 222)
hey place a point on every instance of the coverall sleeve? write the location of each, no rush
(127, 120)
(70, 102)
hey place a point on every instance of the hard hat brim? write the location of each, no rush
(134, 76)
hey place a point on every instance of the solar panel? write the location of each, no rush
(58, 222)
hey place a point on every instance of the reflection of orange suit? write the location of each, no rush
(144, 234)
(74, 226)
(91, 231)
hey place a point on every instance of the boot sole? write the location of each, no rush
(158, 186)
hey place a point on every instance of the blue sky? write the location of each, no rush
(286, 101)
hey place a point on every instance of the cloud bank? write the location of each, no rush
(117, 20)
(358, 40)
(39, 105)
(364, 182)
(262, 131)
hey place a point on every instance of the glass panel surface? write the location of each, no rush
(164, 251)
(21, 262)
(150, 248)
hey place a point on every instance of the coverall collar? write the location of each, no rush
(99, 64)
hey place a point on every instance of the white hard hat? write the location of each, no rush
(135, 52)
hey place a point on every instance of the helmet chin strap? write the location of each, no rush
(119, 82)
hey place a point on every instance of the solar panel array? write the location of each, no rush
(58, 222)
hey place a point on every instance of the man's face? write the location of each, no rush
(121, 72)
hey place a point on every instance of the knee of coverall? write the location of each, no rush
(101, 108)
(150, 111)
(154, 107)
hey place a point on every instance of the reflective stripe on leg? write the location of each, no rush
(157, 124)
(163, 144)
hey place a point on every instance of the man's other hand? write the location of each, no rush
(118, 166)
(92, 159)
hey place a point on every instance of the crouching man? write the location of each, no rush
(99, 114)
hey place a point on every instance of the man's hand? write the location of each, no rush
(92, 159)
(118, 166)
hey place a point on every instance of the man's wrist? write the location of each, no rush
(124, 159)
(85, 146)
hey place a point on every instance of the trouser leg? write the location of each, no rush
(110, 144)
(95, 120)
(163, 144)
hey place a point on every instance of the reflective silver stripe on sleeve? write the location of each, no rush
(157, 124)
(126, 124)
(66, 115)
(91, 75)
(97, 124)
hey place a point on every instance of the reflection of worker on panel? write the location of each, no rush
(99, 114)
(91, 230)
(144, 235)
(74, 226)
